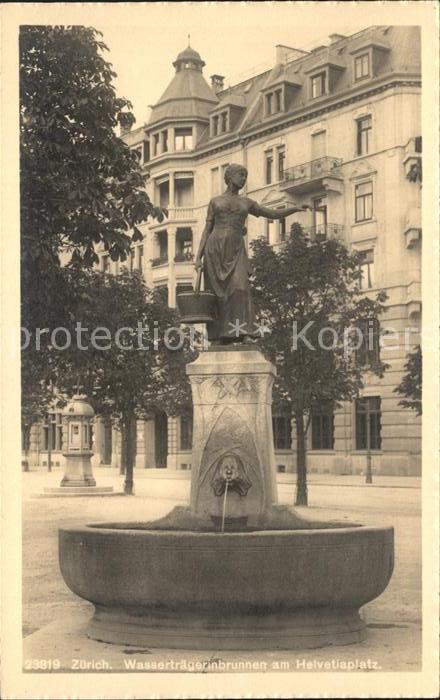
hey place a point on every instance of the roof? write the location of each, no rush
(189, 54)
(78, 406)
(188, 95)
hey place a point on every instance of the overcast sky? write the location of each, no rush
(234, 40)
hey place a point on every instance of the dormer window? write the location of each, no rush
(318, 84)
(369, 59)
(220, 123)
(362, 66)
(274, 102)
(183, 139)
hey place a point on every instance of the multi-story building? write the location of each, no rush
(337, 128)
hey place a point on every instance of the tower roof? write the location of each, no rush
(189, 54)
(188, 95)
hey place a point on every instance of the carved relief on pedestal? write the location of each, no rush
(215, 389)
(230, 454)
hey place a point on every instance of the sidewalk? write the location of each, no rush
(110, 476)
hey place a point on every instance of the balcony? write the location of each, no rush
(181, 214)
(316, 175)
(325, 232)
(184, 257)
(157, 262)
(412, 159)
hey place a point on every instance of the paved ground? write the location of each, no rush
(394, 619)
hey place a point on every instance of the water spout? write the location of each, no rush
(224, 504)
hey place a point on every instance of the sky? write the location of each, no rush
(234, 39)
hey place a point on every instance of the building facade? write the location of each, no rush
(337, 128)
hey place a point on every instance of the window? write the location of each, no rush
(224, 121)
(156, 144)
(282, 228)
(281, 154)
(269, 101)
(130, 261)
(215, 123)
(164, 141)
(318, 85)
(270, 231)
(282, 435)
(322, 426)
(184, 245)
(146, 151)
(186, 431)
(106, 263)
(367, 269)
(364, 201)
(363, 141)
(368, 339)
(164, 193)
(368, 423)
(278, 100)
(140, 257)
(318, 146)
(269, 167)
(215, 182)
(183, 139)
(53, 432)
(320, 219)
(362, 66)
(183, 189)
(225, 166)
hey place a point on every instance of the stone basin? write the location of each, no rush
(261, 589)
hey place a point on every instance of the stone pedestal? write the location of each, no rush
(78, 471)
(232, 438)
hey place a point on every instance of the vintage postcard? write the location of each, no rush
(220, 349)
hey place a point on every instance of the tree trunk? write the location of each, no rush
(129, 446)
(301, 466)
(123, 462)
(26, 437)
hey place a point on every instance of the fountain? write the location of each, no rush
(234, 569)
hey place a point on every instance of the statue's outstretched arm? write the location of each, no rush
(269, 213)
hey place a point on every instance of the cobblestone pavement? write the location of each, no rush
(394, 619)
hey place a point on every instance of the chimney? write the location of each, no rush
(217, 82)
(287, 53)
(336, 37)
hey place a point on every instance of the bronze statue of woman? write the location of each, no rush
(225, 264)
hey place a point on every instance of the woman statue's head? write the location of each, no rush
(236, 174)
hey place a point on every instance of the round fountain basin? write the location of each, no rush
(284, 589)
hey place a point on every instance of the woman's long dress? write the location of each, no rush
(227, 266)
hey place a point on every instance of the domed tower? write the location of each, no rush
(181, 115)
(178, 123)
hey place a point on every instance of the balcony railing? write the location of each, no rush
(184, 257)
(323, 232)
(304, 177)
(180, 213)
(163, 260)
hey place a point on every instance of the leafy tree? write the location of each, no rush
(127, 367)
(309, 289)
(36, 397)
(80, 183)
(411, 385)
